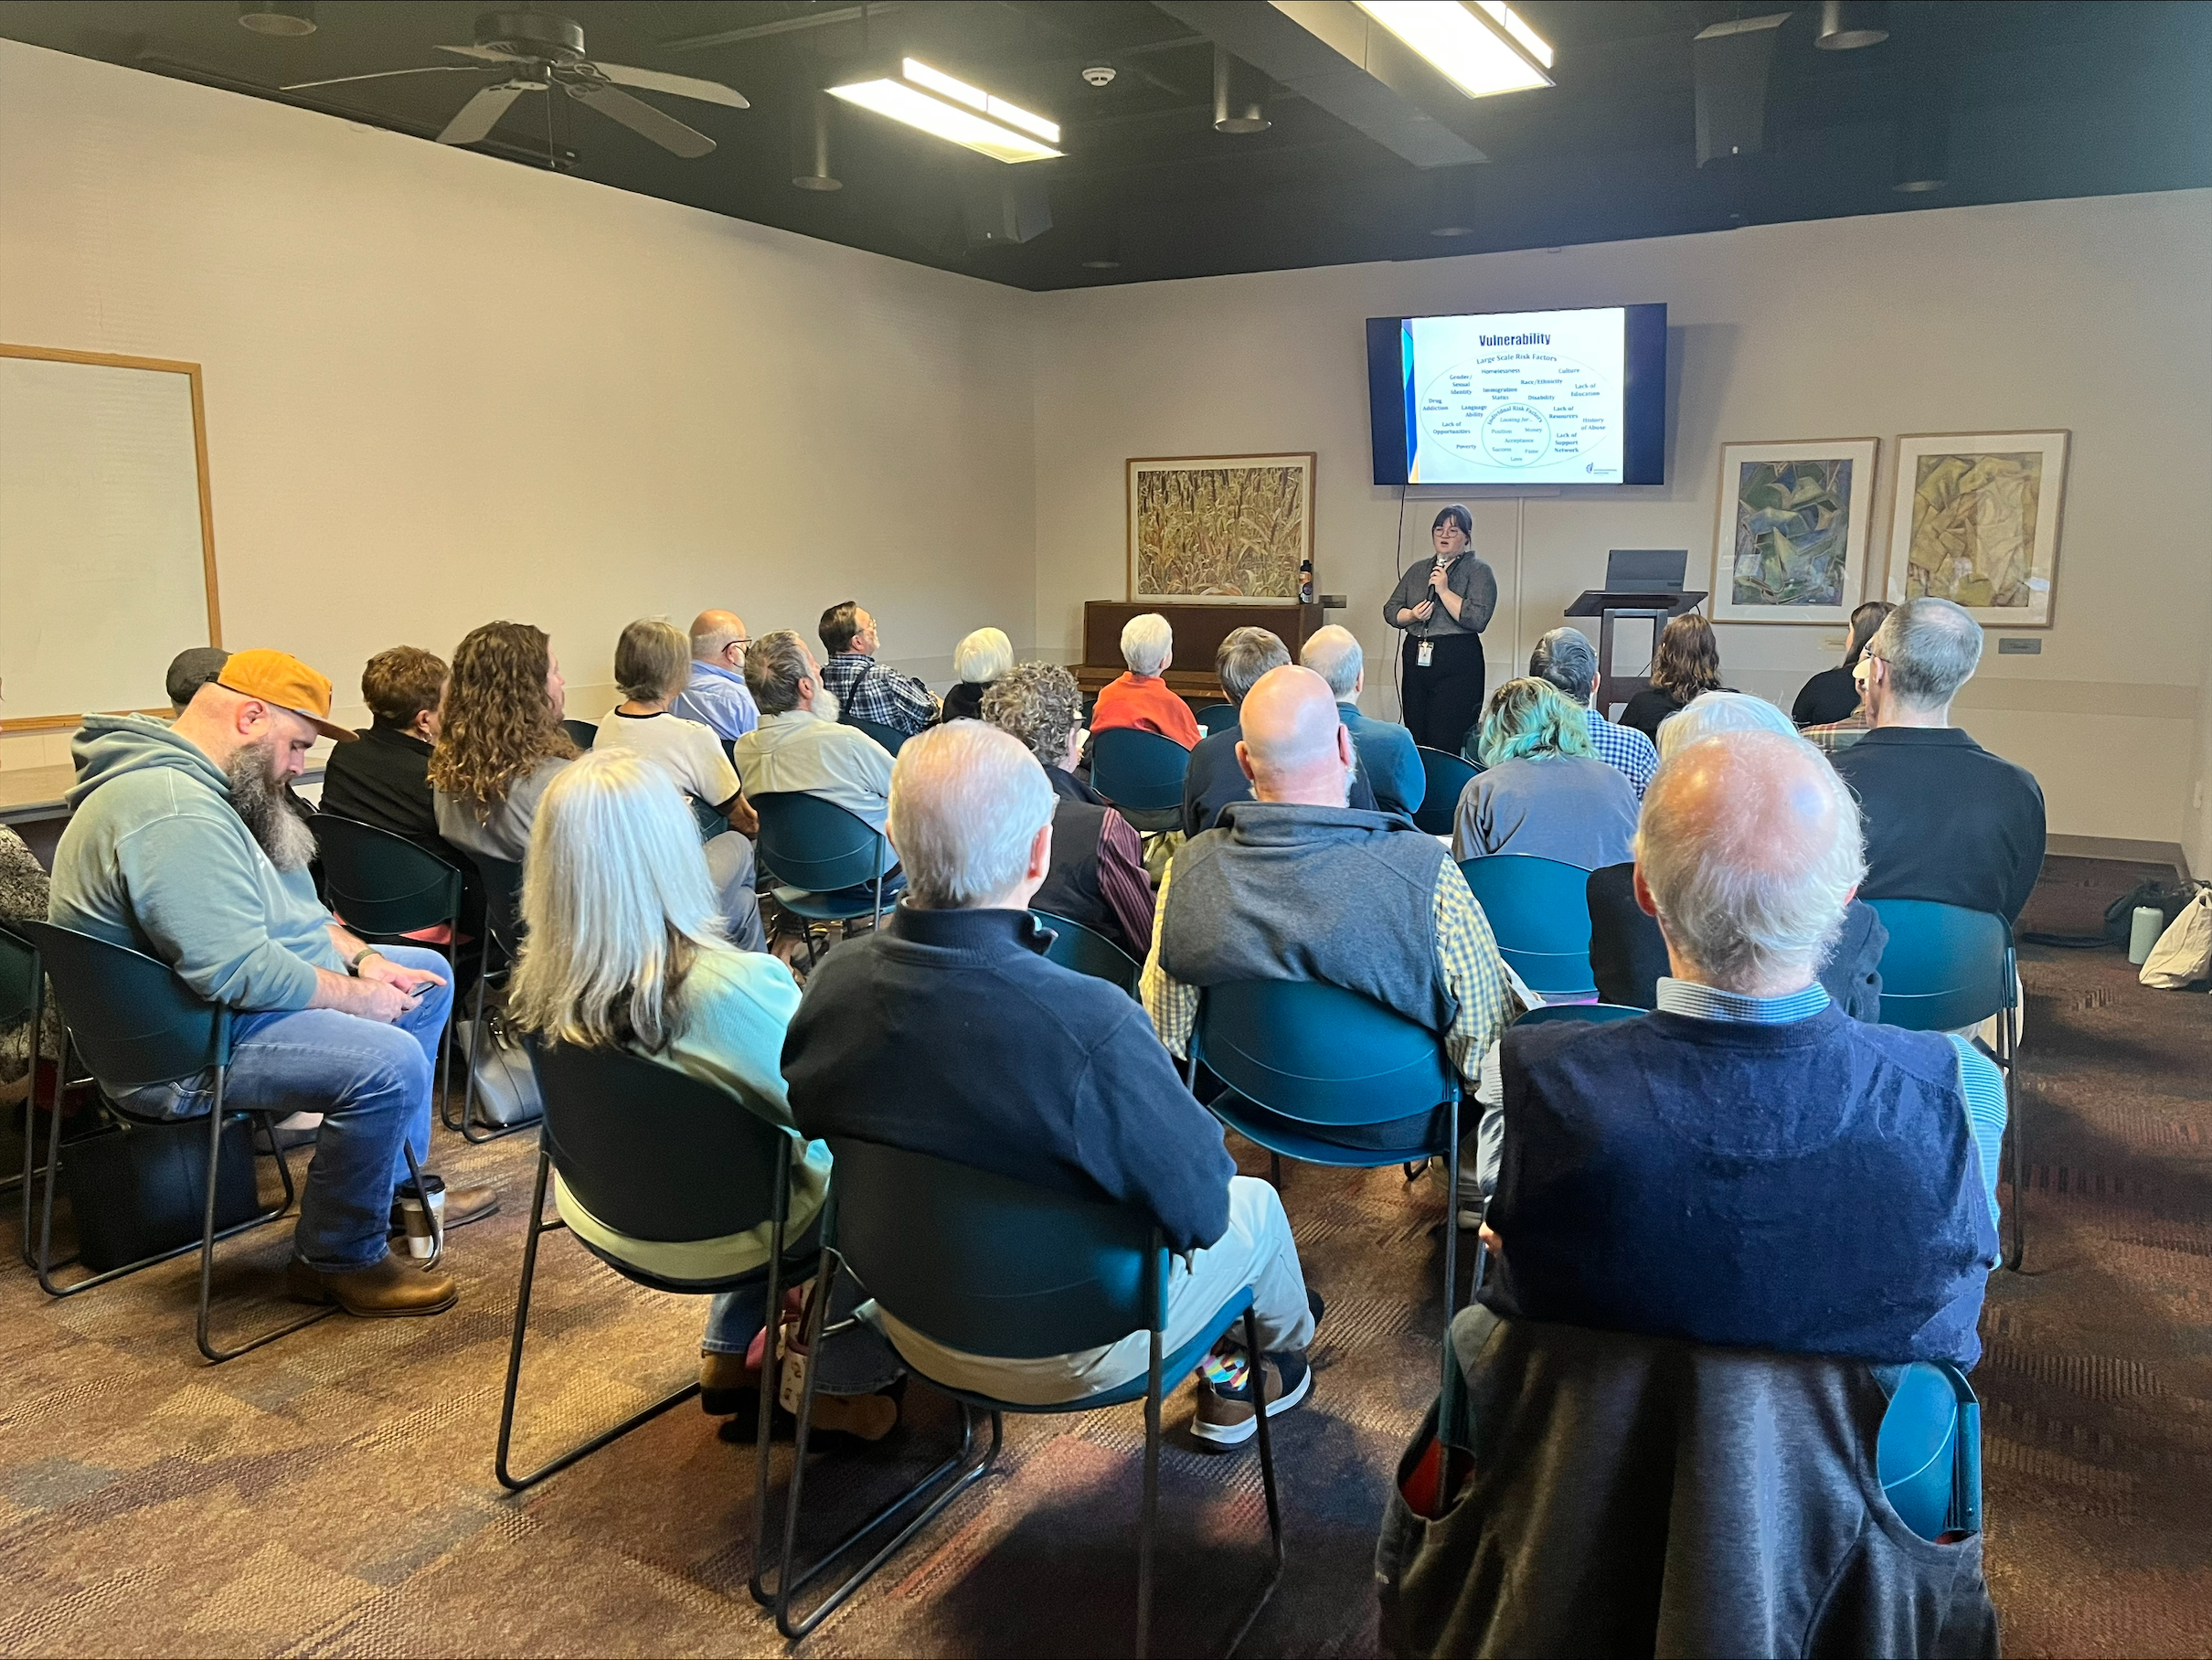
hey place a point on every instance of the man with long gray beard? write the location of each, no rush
(182, 844)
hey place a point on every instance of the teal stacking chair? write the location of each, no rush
(1539, 912)
(1447, 776)
(890, 738)
(1140, 773)
(581, 733)
(1087, 952)
(23, 998)
(1928, 1453)
(1302, 1059)
(502, 882)
(991, 1266)
(1948, 969)
(1217, 718)
(135, 1024)
(831, 866)
(1595, 1013)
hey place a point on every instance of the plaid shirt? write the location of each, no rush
(866, 690)
(1625, 749)
(1466, 952)
(1838, 735)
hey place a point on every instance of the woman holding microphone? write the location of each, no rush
(1444, 607)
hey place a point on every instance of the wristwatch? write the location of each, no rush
(353, 963)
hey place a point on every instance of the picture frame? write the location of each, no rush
(1791, 530)
(1976, 517)
(1220, 530)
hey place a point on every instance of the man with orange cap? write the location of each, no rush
(183, 842)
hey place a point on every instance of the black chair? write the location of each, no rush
(1140, 773)
(1087, 952)
(658, 1155)
(833, 866)
(384, 888)
(502, 882)
(1217, 718)
(137, 1024)
(890, 738)
(991, 1266)
(23, 997)
(1447, 776)
(581, 733)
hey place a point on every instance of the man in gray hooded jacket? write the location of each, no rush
(182, 844)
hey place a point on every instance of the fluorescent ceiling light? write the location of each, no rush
(1482, 50)
(949, 109)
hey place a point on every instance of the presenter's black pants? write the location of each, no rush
(1443, 700)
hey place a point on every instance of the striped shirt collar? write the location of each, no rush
(1710, 1003)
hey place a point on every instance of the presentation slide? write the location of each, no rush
(1515, 397)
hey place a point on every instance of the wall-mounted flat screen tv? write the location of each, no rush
(1520, 398)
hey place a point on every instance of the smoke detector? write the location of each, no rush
(1099, 74)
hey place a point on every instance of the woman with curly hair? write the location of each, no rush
(499, 739)
(1687, 662)
(1543, 790)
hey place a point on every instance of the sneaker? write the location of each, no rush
(1225, 1417)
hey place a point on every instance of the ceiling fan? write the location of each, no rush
(535, 52)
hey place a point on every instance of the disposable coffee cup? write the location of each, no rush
(421, 1237)
(2145, 926)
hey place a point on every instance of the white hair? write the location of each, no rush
(1932, 647)
(1750, 844)
(1709, 714)
(617, 903)
(1145, 643)
(982, 656)
(1334, 654)
(967, 800)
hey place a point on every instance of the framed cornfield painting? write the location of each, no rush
(1220, 529)
(1976, 521)
(1790, 542)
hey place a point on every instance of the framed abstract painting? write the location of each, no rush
(1228, 530)
(1976, 521)
(1789, 539)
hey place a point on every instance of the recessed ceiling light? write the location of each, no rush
(1101, 264)
(289, 19)
(948, 108)
(1452, 230)
(1483, 49)
(1848, 25)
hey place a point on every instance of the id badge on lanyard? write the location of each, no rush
(1425, 654)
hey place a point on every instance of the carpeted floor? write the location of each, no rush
(333, 1493)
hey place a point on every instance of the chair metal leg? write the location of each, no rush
(1267, 1483)
(1452, 1220)
(1148, 1513)
(207, 1237)
(771, 1373)
(507, 1478)
(964, 1474)
(1275, 1171)
(2017, 1251)
(468, 1090)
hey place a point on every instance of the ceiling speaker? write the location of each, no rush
(1735, 62)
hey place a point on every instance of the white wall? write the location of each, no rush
(2086, 314)
(442, 388)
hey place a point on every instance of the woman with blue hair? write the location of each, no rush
(1543, 790)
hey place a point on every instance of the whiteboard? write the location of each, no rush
(107, 544)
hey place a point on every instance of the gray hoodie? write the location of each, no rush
(155, 858)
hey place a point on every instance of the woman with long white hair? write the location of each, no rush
(627, 948)
(979, 660)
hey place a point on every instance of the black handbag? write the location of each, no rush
(138, 1189)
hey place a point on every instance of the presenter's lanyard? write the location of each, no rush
(1424, 653)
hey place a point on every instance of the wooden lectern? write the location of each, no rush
(1610, 606)
(1199, 631)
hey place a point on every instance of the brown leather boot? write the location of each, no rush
(390, 1289)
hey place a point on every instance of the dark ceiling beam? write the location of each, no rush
(786, 25)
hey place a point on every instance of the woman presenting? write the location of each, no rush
(1444, 607)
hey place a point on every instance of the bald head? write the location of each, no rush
(970, 818)
(1295, 747)
(1747, 852)
(718, 636)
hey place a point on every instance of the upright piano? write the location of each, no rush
(1199, 631)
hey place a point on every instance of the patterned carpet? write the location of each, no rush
(333, 1493)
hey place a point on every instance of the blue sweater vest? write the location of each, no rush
(1811, 1188)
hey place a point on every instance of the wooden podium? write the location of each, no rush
(1609, 606)
(1199, 631)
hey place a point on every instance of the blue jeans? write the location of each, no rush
(372, 1084)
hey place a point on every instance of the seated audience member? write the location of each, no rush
(1945, 819)
(1385, 750)
(499, 739)
(1627, 952)
(1747, 1166)
(1140, 699)
(1007, 1062)
(715, 695)
(1566, 659)
(1832, 695)
(627, 948)
(182, 844)
(864, 688)
(384, 780)
(1295, 885)
(796, 750)
(1097, 861)
(1687, 662)
(1541, 790)
(1215, 776)
(651, 664)
(1832, 738)
(188, 671)
(979, 660)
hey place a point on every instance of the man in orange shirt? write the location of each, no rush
(1140, 699)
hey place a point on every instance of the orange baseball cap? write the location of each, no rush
(281, 678)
